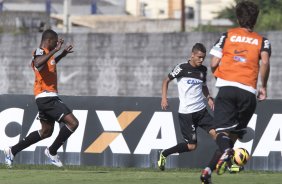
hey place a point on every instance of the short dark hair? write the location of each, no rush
(199, 47)
(247, 14)
(49, 34)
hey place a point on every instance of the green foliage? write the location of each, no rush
(270, 21)
(270, 17)
(228, 13)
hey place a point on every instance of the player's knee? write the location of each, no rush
(45, 133)
(213, 134)
(76, 123)
(192, 147)
(73, 125)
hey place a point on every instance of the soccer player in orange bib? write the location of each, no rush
(50, 107)
(236, 66)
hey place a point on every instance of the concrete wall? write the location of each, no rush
(116, 64)
(16, 21)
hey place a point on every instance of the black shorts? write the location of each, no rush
(190, 122)
(51, 109)
(233, 109)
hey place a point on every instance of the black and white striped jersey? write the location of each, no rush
(190, 81)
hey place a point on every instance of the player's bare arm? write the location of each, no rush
(68, 49)
(214, 63)
(264, 74)
(41, 60)
(164, 102)
(208, 96)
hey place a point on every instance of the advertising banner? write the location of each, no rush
(130, 132)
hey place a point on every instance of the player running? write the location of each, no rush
(236, 66)
(192, 113)
(50, 107)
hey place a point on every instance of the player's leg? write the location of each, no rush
(190, 139)
(225, 118)
(207, 124)
(70, 125)
(225, 143)
(232, 167)
(224, 111)
(45, 131)
(246, 108)
(207, 172)
(58, 111)
(179, 148)
(188, 131)
(244, 104)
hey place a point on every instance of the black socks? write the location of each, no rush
(179, 148)
(223, 142)
(64, 134)
(32, 138)
(214, 160)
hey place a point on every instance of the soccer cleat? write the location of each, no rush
(161, 161)
(224, 161)
(235, 169)
(9, 157)
(221, 167)
(205, 177)
(54, 159)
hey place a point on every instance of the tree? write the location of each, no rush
(270, 17)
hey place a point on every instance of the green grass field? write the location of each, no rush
(32, 174)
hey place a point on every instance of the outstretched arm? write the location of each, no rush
(41, 60)
(67, 50)
(164, 102)
(264, 74)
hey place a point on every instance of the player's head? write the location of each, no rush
(198, 54)
(49, 39)
(199, 47)
(247, 14)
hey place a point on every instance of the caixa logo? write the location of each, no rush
(112, 136)
(161, 123)
(268, 142)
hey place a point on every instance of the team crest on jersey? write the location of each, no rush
(53, 62)
(201, 75)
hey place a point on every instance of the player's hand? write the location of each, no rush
(262, 94)
(211, 103)
(164, 104)
(67, 50)
(59, 44)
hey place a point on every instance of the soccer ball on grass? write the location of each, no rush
(241, 156)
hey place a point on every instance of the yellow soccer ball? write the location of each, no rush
(241, 156)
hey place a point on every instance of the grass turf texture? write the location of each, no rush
(33, 174)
